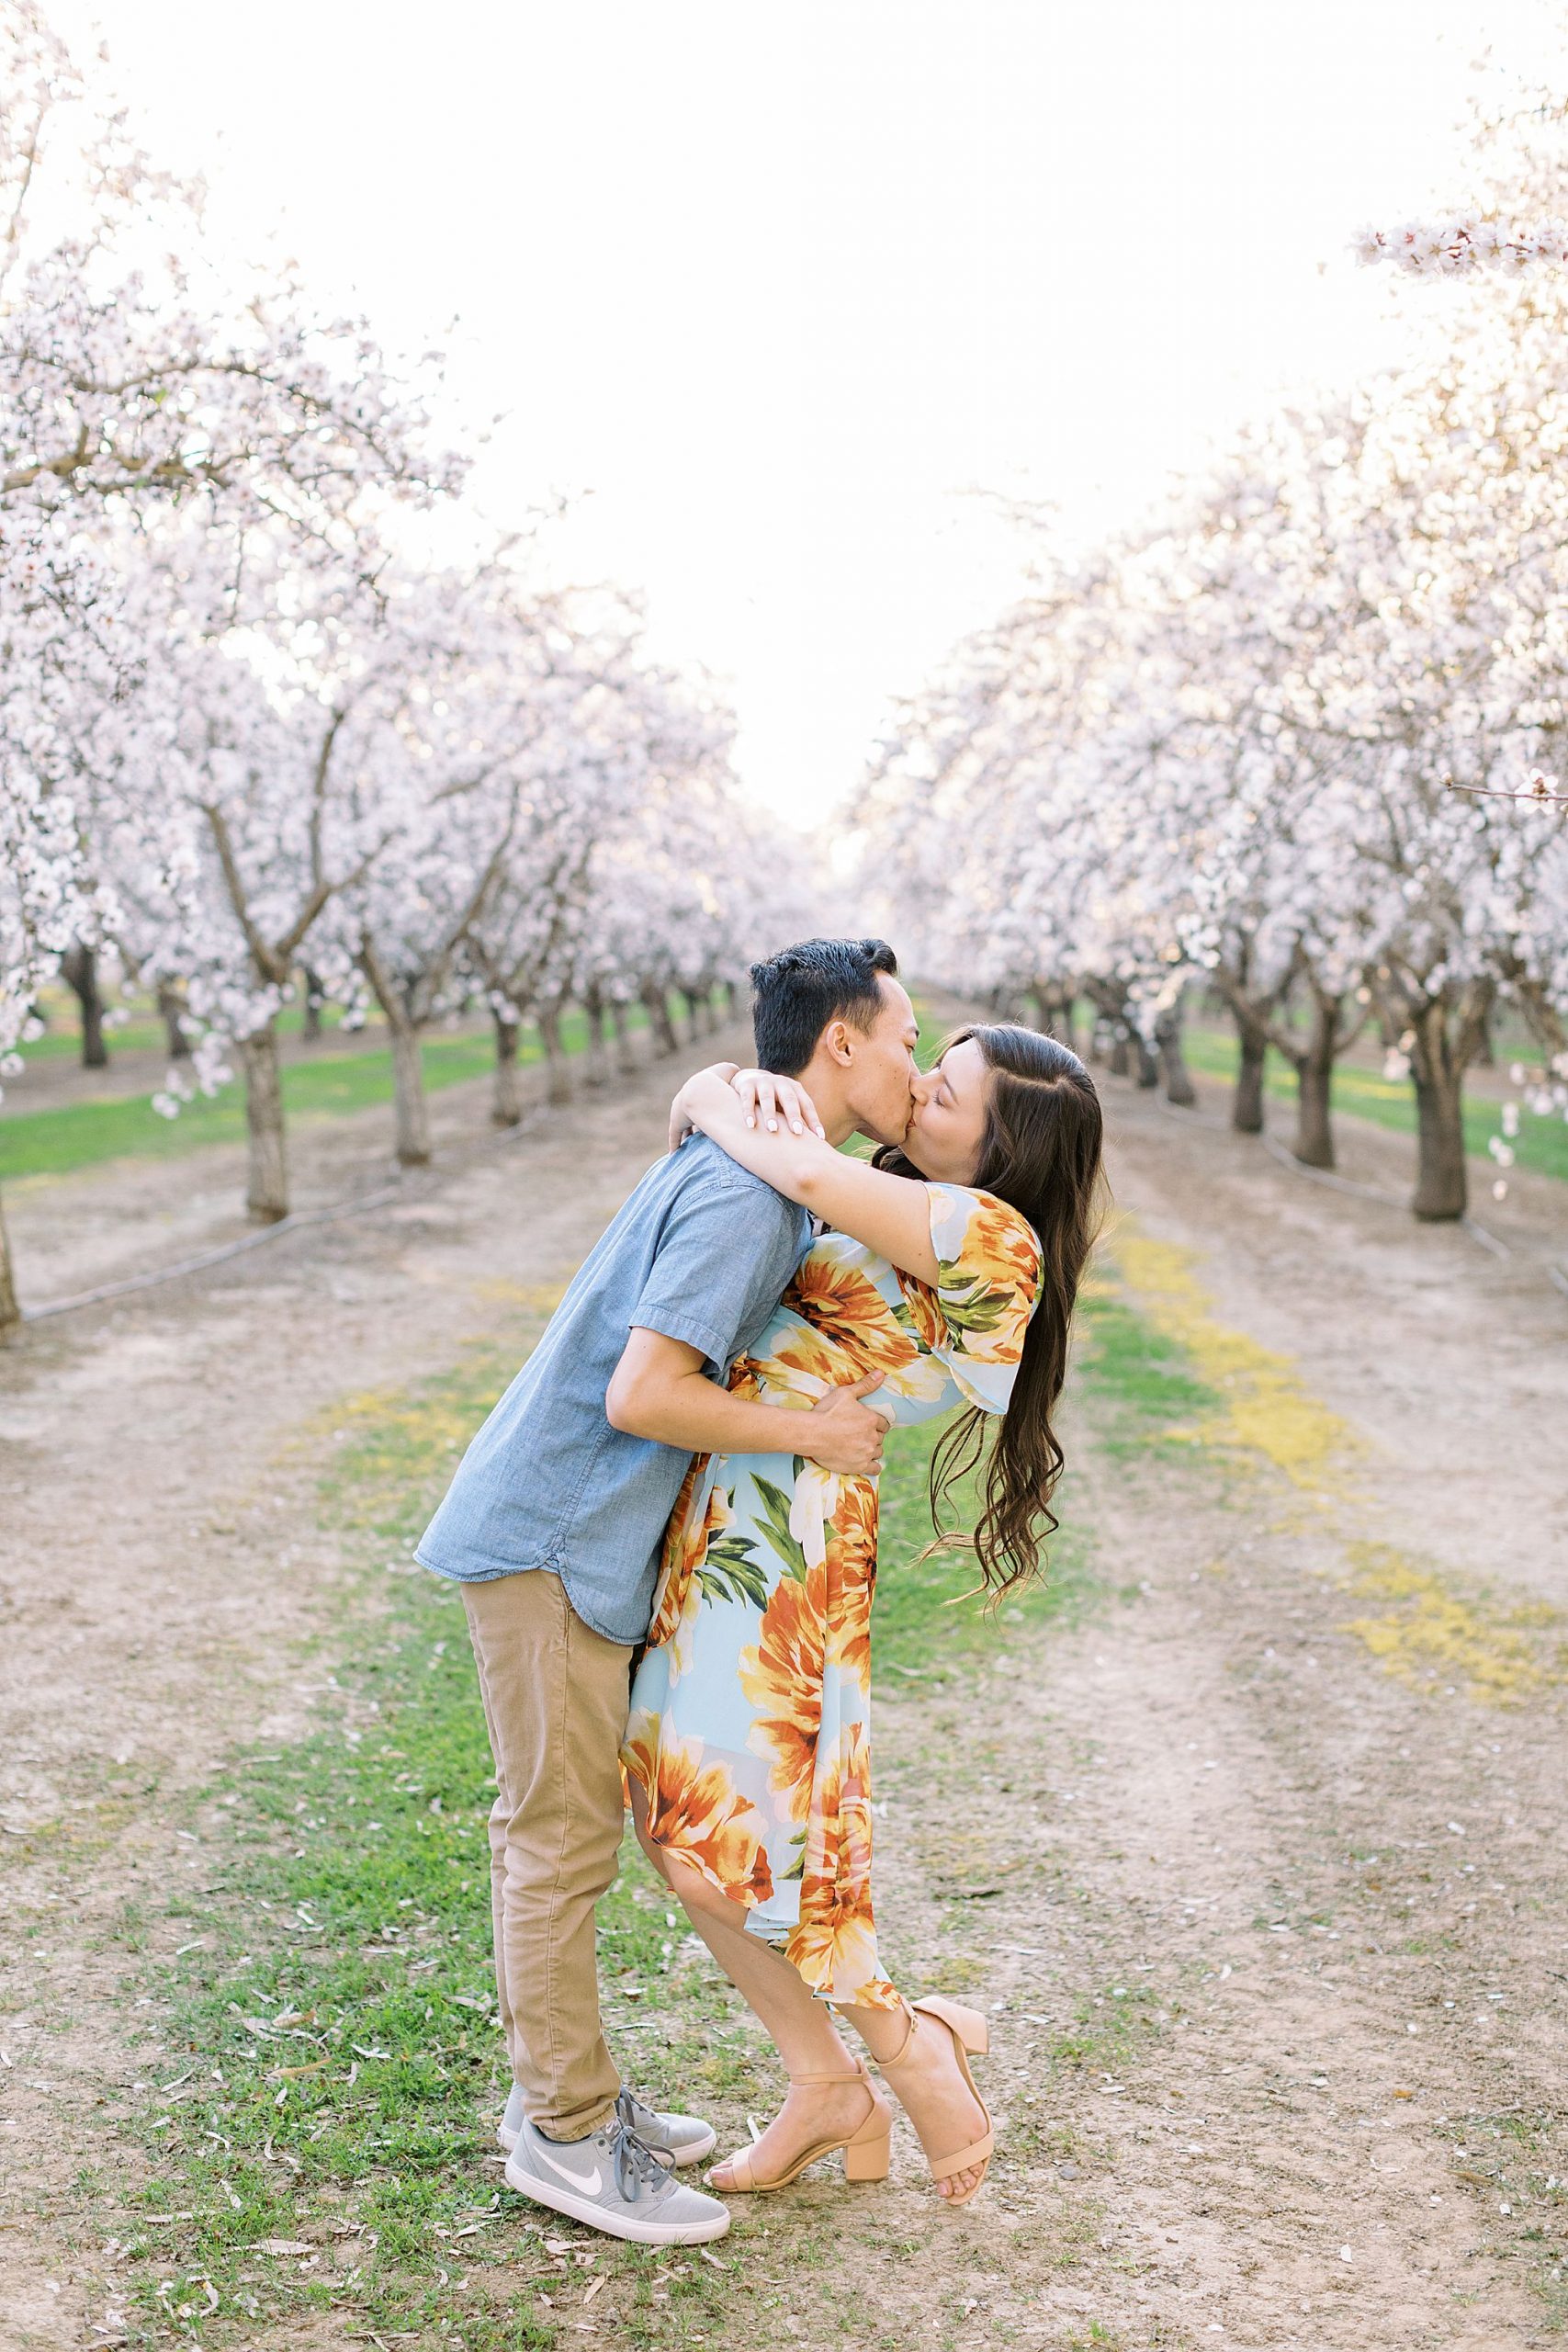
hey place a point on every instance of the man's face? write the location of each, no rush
(885, 1070)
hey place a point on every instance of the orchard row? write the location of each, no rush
(1276, 740)
(251, 723)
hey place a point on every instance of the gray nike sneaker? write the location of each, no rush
(614, 2182)
(685, 2137)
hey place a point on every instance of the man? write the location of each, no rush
(553, 1526)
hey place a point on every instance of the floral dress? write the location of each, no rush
(750, 1710)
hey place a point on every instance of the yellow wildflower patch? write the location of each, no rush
(1430, 1633)
(1267, 1411)
(1427, 1632)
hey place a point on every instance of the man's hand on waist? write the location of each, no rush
(841, 1433)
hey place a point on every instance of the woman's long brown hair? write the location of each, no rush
(1041, 1153)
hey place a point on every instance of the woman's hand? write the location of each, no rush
(681, 1124)
(771, 1102)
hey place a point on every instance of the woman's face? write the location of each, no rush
(948, 1122)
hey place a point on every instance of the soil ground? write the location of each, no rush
(1258, 1861)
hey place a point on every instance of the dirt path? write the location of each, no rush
(72, 1233)
(1449, 1361)
(1260, 1869)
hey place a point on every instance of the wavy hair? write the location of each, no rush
(1040, 1152)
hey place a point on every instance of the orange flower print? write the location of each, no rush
(849, 1312)
(834, 1946)
(1000, 1248)
(685, 1547)
(799, 1363)
(925, 1310)
(699, 1542)
(851, 1578)
(990, 1281)
(694, 1810)
(782, 1676)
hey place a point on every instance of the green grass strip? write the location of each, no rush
(142, 1033)
(328, 1085)
(1541, 1143)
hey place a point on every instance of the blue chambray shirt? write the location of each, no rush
(701, 1251)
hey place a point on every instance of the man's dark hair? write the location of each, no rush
(801, 988)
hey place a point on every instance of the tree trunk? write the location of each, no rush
(10, 1313)
(1442, 1180)
(172, 1010)
(732, 1001)
(79, 970)
(506, 1109)
(1148, 1069)
(558, 1087)
(410, 1106)
(1179, 1086)
(665, 1041)
(626, 1052)
(1314, 1146)
(1246, 1103)
(596, 1071)
(310, 1014)
(267, 1199)
(410, 1111)
(1121, 1055)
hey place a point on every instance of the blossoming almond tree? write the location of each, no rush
(1233, 745)
(1514, 234)
(136, 375)
(480, 672)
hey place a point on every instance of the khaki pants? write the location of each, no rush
(555, 1698)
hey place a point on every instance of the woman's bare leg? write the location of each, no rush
(927, 2081)
(800, 2026)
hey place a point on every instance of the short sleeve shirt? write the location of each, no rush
(701, 1252)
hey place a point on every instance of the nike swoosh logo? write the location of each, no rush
(589, 2183)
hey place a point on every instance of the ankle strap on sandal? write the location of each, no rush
(858, 2075)
(910, 2022)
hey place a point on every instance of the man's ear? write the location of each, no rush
(836, 1041)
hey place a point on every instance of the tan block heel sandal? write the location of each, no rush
(866, 2149)
(970, 2034)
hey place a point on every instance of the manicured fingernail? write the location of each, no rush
(772, 1126)
(797, 1128)
(750, 1123)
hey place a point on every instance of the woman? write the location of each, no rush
(951, 1271)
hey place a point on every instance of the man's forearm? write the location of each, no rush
(694, 1413)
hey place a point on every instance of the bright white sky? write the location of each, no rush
(783, 283)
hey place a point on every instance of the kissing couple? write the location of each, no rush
(665, 1538)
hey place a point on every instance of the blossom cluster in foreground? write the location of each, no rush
(1459, 244)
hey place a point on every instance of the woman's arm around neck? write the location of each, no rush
(890, 1214)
